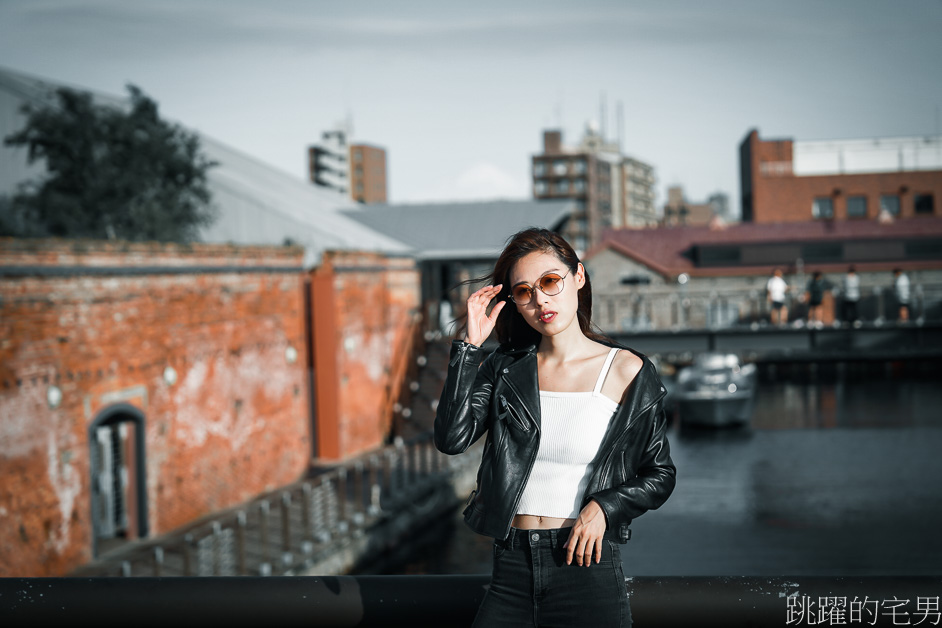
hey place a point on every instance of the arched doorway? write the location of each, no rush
(118, 480)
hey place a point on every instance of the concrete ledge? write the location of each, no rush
(452, 601)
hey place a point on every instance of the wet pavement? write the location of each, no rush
(798, 502)
(839, 474)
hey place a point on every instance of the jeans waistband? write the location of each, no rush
(552, 537)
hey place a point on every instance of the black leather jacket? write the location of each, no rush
(632, 472)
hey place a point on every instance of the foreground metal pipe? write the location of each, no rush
(448, 601)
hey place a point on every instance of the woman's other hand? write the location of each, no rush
(585, 540)
(480, 324)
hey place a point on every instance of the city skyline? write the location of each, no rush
(459, 97)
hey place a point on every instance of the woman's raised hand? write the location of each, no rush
(480, 324)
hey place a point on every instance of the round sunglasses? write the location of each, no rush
(549, 284)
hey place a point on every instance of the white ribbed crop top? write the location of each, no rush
(572, 425)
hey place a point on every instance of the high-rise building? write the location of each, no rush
(356, 170)
(609, 189)
(791, 181)
(367, 173)
(638, 195)
(329, 161)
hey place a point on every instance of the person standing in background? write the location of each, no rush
(775, 292)
(851, 296)
(814, 295)
(901, 289)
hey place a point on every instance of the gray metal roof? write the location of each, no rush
(466, 230)
(258, 203)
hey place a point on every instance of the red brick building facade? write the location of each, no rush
(367, 173)
(366, 325)
(788, 181)
(143, 386)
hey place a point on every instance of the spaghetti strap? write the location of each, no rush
(608, 364)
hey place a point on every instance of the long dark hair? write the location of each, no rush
(511, 328)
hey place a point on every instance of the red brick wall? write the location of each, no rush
(365, 319)
(234, 424)
(367, 170)
(774, 151)
(780, 196)
(789, 198)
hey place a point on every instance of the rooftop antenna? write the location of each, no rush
(559, 110)
(602, 115)
(620, 113)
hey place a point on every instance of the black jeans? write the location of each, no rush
(531, 584)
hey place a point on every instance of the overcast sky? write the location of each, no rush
(459, 93)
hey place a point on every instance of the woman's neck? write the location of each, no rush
(567, 345)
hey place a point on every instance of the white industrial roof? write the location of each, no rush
(872, 155)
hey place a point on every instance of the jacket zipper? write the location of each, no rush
(523, 485)
(536, 449)
(519, 396)
(513, 413)
(460, 359)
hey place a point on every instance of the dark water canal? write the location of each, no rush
(840, 473)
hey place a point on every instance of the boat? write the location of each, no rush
(717, 390)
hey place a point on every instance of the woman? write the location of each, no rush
(565, 467)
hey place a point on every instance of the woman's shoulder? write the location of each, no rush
(626, 367)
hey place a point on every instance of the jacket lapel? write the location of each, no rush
(644, 390)
(521, 377)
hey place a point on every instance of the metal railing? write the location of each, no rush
(769, 343)
(726, 602)
(664, 307)
(294, 527)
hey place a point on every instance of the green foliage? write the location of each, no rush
(111, 173)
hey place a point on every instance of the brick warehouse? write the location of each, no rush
(143, 386)
(366, 323)
(794, 181)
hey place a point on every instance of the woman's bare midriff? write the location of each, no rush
(536, 522)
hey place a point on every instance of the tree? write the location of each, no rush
(111, 173)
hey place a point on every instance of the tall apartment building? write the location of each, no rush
(357, 170)
(367, 173)
(789, 181)
(638, 194)
(609, 189)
